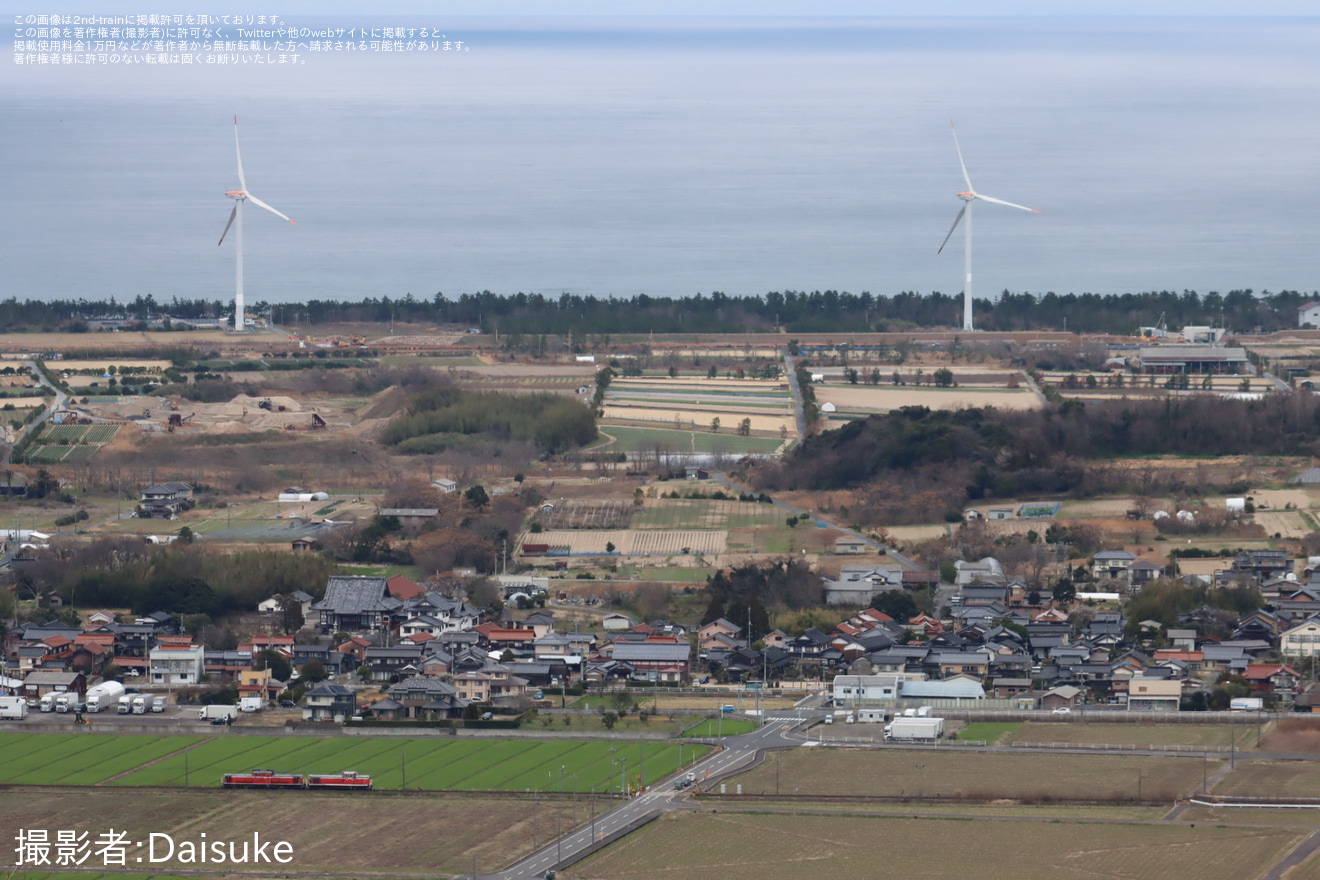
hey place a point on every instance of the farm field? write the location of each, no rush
(950, 774)
(747, 846)
(426, 764)
(1288, 524)
(70, 366)
(672, 575)
(1135, 734)
(720, 727)
(698, 419)
(635, 542)
(101, 875)
(712, 703)
(699, 513)
(1264, 778)
(251, 520)
(333, 835)
(881, 398)
(667, 440)
(990, 732)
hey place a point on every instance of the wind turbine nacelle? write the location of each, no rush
(237, 195)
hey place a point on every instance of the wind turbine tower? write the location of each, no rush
(968, 197)
(240, 196)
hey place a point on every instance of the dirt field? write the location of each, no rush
(698, 419)
(953, 774)
(1137, 734)
(746, 846)
(1277, 499)
(585, 372)
(70, 365)
(917, 533)
(328, 832)
(39, 342)
(1263, 778)
(699, 383)
(879, 398)
(1289, 523)
(1294, 735)
(635, 542)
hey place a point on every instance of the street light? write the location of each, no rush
(623, 775)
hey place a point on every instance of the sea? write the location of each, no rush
(669, 157)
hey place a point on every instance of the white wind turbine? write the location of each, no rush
(968, 197)
(240, 196)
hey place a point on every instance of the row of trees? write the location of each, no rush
(948, 458)
(181, 578)
(532, 316)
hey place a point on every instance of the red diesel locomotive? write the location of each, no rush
(348, 780)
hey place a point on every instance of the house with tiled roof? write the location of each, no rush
(329, 702)
(426, 697)
(354, 603)
(1278, 680)
(655, 662)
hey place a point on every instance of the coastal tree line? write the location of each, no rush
(523, 319)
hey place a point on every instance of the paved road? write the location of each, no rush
(739, 753)
(791, 366)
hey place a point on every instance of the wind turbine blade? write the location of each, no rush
(238, 154)
(956, 221)
(260, 204)
(961, 163)
(232, 215)
(1007, 204)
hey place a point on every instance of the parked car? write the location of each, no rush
(1061, 710)
(288, 704)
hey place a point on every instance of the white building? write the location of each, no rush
(177, 664)
(850, 689)
(1302, 640)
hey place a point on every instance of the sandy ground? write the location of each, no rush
(917, 533)
(886, 397)
(39, 342)
(236, 416)
(1207, 566)
(1277, 499)
(67, 365)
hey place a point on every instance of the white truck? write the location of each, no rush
(914, 729)
(250, 704)
(47, 703)
(159, 703)
(140, 704)
(13, 708)
(68, 702)
(1246, 704)
(125, 704)
(217, 713)
(104, 695)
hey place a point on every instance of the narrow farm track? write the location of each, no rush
(143, 766)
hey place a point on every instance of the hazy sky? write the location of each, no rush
(721, 7)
